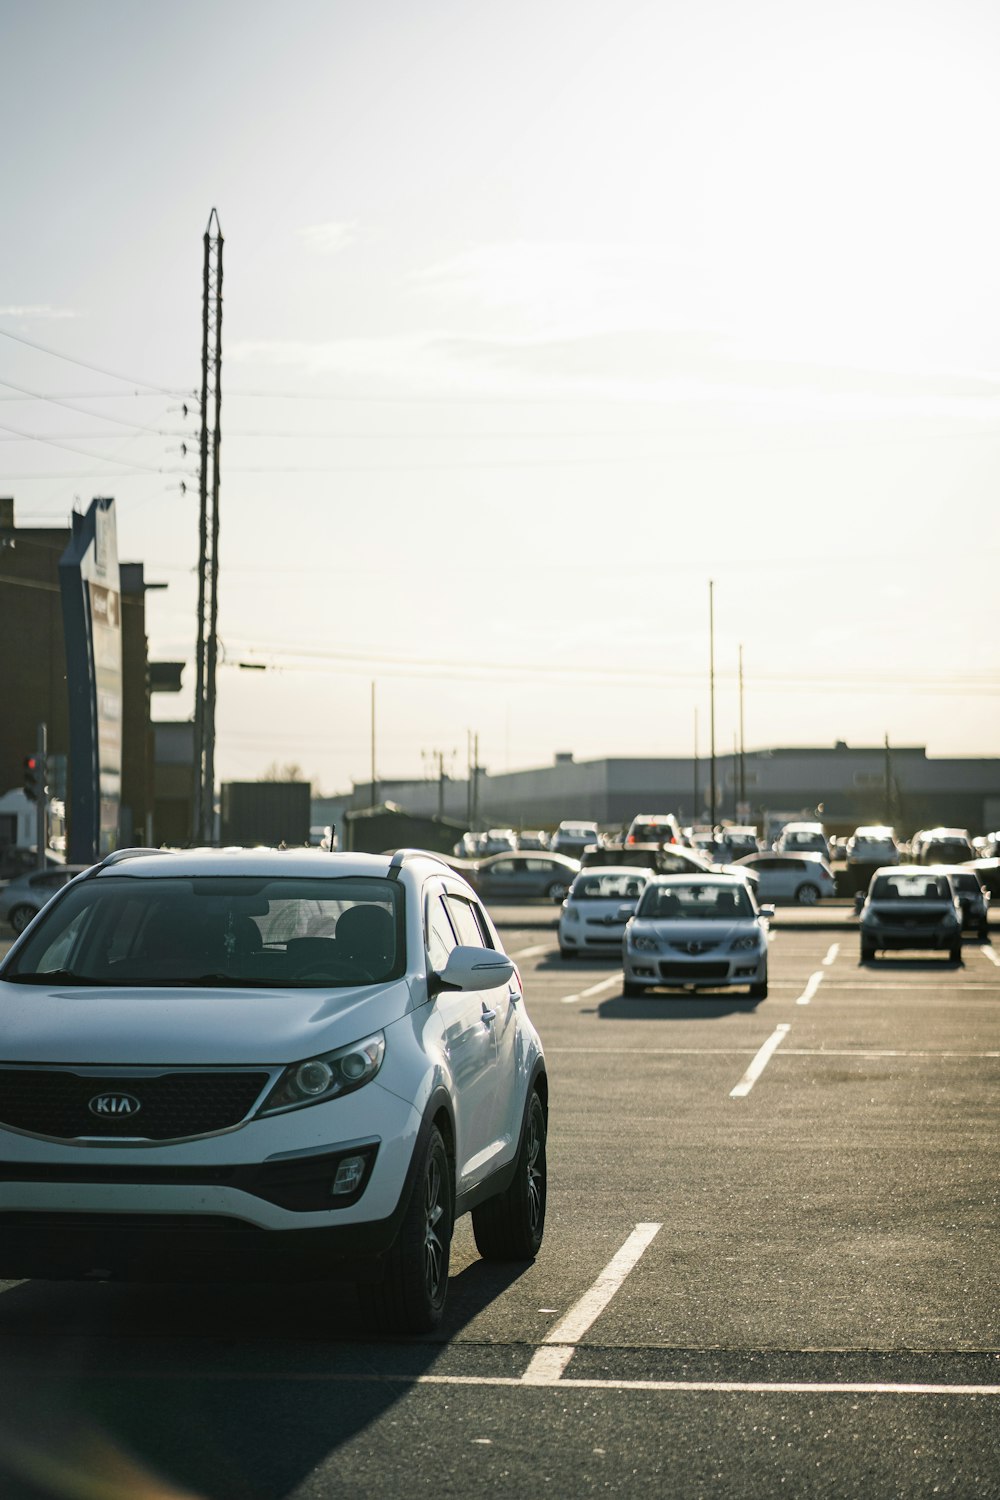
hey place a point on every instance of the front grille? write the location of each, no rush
(695, 970)
(172, 1106)
(695, 947)
(913, 919)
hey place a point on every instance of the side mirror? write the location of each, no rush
(470, 968)
(859, 901)
(767, 911)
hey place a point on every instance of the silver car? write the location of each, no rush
(706, 932)
(23, 898)
(802, 878)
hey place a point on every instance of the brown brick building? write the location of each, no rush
(33, 667)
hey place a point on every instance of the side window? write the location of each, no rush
(464, 921)
(490, 936)
(440, 937)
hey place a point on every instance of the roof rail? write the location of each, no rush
(118, 855)
(401, 855)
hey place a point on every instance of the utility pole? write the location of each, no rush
(374, 784)
(711, 690)
(468, 783)
(42, 803)
(887, 816)
(475, 782)
(742, 753)
(694, 812)
(206, 652)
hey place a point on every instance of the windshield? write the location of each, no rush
(617, 887)
(218, 930)
(911, 888)
(683, 903)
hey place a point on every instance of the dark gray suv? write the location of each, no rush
(909, 906)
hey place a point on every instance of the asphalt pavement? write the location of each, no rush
(769, 1268)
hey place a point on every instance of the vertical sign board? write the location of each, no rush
(91, 599)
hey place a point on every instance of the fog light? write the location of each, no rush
(349, 1175)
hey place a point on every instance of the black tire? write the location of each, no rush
(567, 952)
(955, 954)
(412, 1294)
(759, 991)
(807, 895)
(511, 1225)
(867, 954)
(632, 991)
(984, 933)
(20, 917)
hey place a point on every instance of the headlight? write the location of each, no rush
(326, 1077)
(570, 914)
(644, 942)
(742, 944)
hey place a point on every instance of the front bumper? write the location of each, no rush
(887, 935)
(254, 1203)
(677, 971)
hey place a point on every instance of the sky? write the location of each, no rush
(538, 317)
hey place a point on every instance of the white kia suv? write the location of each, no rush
(268, 1064)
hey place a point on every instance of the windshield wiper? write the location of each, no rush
(229, 981)
(51, 976)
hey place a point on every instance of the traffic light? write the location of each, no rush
(30, 777)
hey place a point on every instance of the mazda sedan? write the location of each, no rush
(705, 932)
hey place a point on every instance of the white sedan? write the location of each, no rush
(599, 904)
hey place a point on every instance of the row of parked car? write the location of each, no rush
(709, 929)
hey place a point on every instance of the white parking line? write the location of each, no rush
(532, 952)
(988, 952)
(721, 1387)
(762, 1387)
(788, 1052)
(548, 1362)
(831, 955)
(814, 982)
(595, 989)
(760, 1062)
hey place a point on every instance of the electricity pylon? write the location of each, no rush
(206, 653)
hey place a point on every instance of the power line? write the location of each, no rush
(85, 365)
(35, 437)
(82, 411)
(853, 682)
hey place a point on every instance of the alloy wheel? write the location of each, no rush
(434, 1247)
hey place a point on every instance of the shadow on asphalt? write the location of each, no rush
(222, 1391)
(909, 964)
(675, 1005)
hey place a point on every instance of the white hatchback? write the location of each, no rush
(599, 904)
(252, 1063)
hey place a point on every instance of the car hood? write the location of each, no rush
(121, 1026)
(718, 934)
(600, 910)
